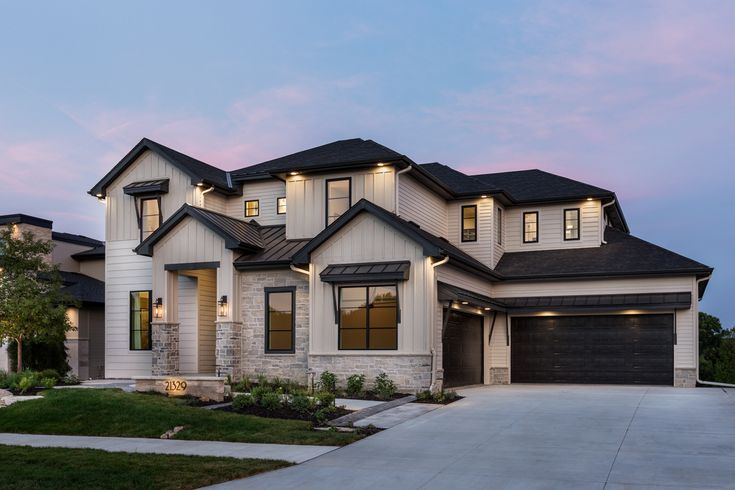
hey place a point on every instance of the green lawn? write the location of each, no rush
(92, 412)
(42, 468)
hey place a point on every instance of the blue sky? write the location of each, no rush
(633, 96)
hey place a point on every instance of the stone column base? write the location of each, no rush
(228, 351)
(499, 376)
(685, 378)
(165, 348)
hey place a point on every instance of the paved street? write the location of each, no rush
(533, 436)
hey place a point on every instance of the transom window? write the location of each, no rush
(499, 226)
(281, 205)
(571, 224)
(140, 320)
(279, 319)
(150, 216)
(469, 223)
(530, 227)
(338, 198)
(252, 208)
(368, 318)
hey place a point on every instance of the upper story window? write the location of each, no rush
(530, 227)
(281, 205)
(252, 208)
(499, 226)
(140, 320)
(571, 224)
(368, 318)
(469, 223)
(150, 216)
(279, 319)
(338, 198)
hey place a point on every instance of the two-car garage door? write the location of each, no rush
(622, 349)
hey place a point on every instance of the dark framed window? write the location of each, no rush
(530, 227)
(252, 208)
(469, 223)
(338, 198)
(571, 224)
(150, 216)
(499, 227)
(368, 317)
(281, 205)
(140, 320)
(280, 316)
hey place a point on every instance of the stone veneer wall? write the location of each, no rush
(409, 372)
(165, 348)
(254, 360)
(228, 348)
(685, 378)
(499, 376)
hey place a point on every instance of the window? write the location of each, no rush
(281, 205)
(499, 226)
(338, 198)
(530, 227)
(252, 208)
(279, 319)
(368, 318)
(140, 320)
(469, 223)
(571, 224)
(150, 211)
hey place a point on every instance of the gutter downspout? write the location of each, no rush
(397, 188)
(603, 221)
(708, 383)
(302, 271)
(449, 304)
(204, 192)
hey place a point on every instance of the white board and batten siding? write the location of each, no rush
(425, 208)
(266, 192)
(350, 245)
(306, 197)
(686, 320)
(551, 227)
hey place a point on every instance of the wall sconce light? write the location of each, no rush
(158, 308)
(222, 304)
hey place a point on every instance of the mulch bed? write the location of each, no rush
(368, 395)
(29, 392)
(445, 402)
(282, 413)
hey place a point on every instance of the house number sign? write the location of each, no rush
(176, 386)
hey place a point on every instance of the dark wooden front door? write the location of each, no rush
(462, 350)
(620, 349)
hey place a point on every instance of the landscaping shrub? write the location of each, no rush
(50, 373)
(325, 399)
(242, 386)
(271, 401)
(48, 383)
(355, 384)
(323, 414)
(258, 392)
(302, 404)
(71, 379)
(423, 396)
(243, 401)
(384, 386)
(328, 382)
(27, 380)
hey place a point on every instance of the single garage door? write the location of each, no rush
(462, 350)
(622, 349)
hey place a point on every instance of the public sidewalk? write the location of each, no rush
(242, 450)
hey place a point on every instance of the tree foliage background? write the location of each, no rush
(716, 350)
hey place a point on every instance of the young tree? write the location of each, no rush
(710, 338)
(32, 305)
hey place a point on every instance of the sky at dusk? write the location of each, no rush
(633, 96)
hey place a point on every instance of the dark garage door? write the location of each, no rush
(462, 350)
(623, 349)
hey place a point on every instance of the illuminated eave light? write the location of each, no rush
(487, 308)
(465, 302)
(200, 184)
(484, 196)
(589, 198)
(100, 195)
(294, 172)
(381, 164)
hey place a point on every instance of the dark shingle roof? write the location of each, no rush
(537, 185)
(623, 254)
(338, 153)
(91, 254)
(457, 182)
(13, 219)
(82, 287)
(277, 251)
(76, 239)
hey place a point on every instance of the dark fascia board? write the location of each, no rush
(317, 170)
(76, 240)
(303, 256)
(191, 266)
(146, 246)
(263, 265)
(100, 187)
(16, 219)
(598, 309)
(86, 257)
(460, 294)
(607, 275)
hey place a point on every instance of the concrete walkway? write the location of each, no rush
(284, 452)
(539, 437)
(397, 415)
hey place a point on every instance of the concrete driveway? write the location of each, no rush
(540, 436)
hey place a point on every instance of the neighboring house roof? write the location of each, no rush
(76, 239)
(622, 255)
(367, 271)
(276, 252)
(199, 171)
(433, 246)
(642, 301)
(91, 254)
(19, 218)
(237, 234)
(83, 288)
(342, 153)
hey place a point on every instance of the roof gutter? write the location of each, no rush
(707, 383)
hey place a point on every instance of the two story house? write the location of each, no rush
(352, 258)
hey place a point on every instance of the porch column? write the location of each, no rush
(165, 348)
(228, 348)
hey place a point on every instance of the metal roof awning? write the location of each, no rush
(366, 272)
(599, 302)
(159, 186)
(447, 292)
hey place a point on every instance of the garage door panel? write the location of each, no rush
(629, 349)
(462, 350)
